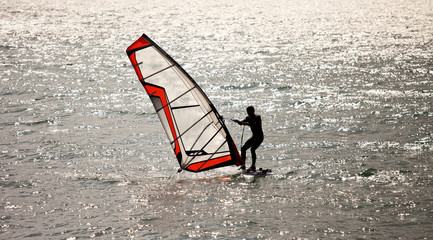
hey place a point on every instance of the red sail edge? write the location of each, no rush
(140, 43)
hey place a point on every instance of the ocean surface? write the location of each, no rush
(344, 89)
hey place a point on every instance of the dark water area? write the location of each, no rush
(344, 89)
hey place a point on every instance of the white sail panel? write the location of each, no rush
(151, 61)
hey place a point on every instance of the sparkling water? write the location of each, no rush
(344, 89)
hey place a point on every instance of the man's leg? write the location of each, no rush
(245, 147)
(254, 146)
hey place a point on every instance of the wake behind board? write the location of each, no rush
(260, 172)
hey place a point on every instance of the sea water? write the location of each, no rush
(344, 89)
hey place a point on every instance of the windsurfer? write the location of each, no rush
(255, 123)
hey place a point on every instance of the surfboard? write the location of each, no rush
(260, 172)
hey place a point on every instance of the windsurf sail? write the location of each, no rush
(195, 130)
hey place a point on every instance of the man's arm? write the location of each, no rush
(240, 122)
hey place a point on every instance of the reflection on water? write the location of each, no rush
(343, 88)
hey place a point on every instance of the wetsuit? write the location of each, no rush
(254, 142)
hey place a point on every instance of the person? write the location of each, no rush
(255, 123)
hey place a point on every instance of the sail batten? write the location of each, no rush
(196, 131)
(190, 127)
(176, 98)
(143, 79)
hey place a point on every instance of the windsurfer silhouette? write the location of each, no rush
(255, 123)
